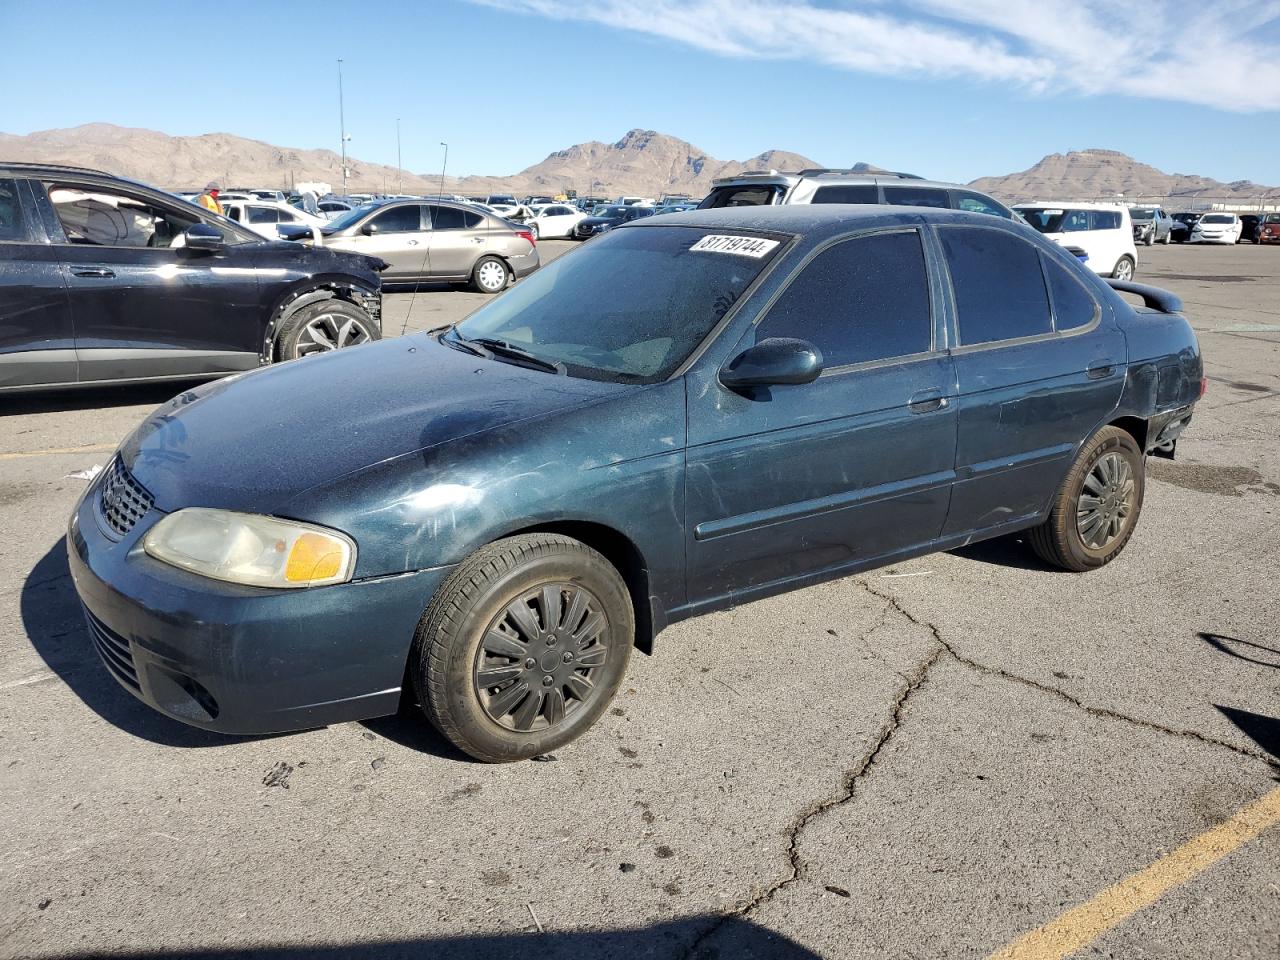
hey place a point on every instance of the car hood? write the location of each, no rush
(253, 442)
(596, 221)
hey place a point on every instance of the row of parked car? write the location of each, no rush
(1153, 225)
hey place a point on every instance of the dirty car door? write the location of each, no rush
(793, 482)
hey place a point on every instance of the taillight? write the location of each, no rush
(1204, 386)
(528, 235)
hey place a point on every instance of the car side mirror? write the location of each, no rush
(774, 361)
(369, 229)
(201, 236)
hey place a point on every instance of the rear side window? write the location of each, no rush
(847, 193)
(977, 203)
(860, 300)
(447, 218)
(916, 197)
(264, 215)
(1072, 305)
(1104, 219)
(398, 220)
(12, 226)
(999, 288)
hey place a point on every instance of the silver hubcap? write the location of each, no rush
(537, 661)
(1106, 501)
(1124, 271)
(330, 331)
(492, 275)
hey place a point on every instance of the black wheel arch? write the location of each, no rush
(312, 290)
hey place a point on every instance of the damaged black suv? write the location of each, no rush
(104, 280)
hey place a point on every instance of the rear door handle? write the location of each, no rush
(926, 401)
(99, 272)
(1100, 369)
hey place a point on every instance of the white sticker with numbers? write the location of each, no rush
(754, 247)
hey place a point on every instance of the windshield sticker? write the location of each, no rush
(754, 247)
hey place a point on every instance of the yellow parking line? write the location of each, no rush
(1080, 926)
(54, 451)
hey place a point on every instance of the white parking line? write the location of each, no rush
(38, 678)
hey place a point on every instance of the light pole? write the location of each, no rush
(342, 128)
(399, 164)
(443, 166)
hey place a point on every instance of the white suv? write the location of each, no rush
(1100, 233)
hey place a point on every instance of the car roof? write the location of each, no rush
(821, 220)
(1072, 204)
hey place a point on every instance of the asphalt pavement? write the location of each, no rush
(940, 759)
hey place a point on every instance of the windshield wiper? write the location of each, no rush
(458, 341)
(502, 348)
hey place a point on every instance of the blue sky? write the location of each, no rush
(951, 89)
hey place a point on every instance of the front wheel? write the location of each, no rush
(523, 647)
(1168, 238)
(1123, 269)
(1097, 505)
(490, 275)
(323, 327)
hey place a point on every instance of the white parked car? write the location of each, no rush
(1102, 230)
(263, 217)
(1217, 228)
(512, 211)
(634, 202)
(554, 220)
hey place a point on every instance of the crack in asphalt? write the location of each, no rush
(912, 682)
(1062, 694)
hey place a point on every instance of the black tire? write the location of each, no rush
(302, 332)
(455, 648)
(1059, 540)
(1116, 270)
(484, 269)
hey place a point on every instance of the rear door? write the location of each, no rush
(1040, 365)
(142, 304)
(37, 343)
(800, 481)
(458, 239)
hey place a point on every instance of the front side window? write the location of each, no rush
(12, 224)
(630, 306)
(105, 217)
(403, 219)
(863, 299)
(999, 288)
(916, 197)
(847, 193)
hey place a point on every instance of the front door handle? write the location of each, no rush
(1100, 369)
(412, 243)
(99, 272)
(926, 401)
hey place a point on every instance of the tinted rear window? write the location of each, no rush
(999, 288)
(1072, 304)
(916, 197)
(848, 193)
(862, 299)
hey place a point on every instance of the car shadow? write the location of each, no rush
(1007, 551)
(734, 937)
(94, 398)
(1258, 727)
(55, 626)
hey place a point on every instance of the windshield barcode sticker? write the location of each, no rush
(754, 247)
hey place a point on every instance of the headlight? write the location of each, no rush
(253, 550)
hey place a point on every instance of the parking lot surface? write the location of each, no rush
(935, 759)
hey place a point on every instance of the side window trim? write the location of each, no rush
(934, 343)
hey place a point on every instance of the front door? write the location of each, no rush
(801, 482)
(143, 305)
(1040, 365)
(398, 235)
(37, 344)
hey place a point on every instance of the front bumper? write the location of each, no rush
(242, 660)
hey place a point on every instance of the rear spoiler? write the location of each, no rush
(1153, 297)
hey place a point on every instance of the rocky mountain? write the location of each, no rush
(1102, 175)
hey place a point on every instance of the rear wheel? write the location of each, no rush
(1097, 506)
(523, 647)
(323, 327)
(1123, 269)
(490, 275)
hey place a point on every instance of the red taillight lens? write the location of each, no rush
(528, 235)
(1204, 386)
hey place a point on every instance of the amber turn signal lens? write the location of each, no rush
(315, 557)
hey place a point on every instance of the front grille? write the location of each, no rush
(113, 649)
(123, 501)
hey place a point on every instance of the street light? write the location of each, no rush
(342, 129)
(443, 165)
(399, 164)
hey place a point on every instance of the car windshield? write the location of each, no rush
(1141, 213)
(1272, 218)
(630, 306)
(342, 221)
(610, 212)
(1218, 218)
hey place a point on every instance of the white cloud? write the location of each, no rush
(1209, 53)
